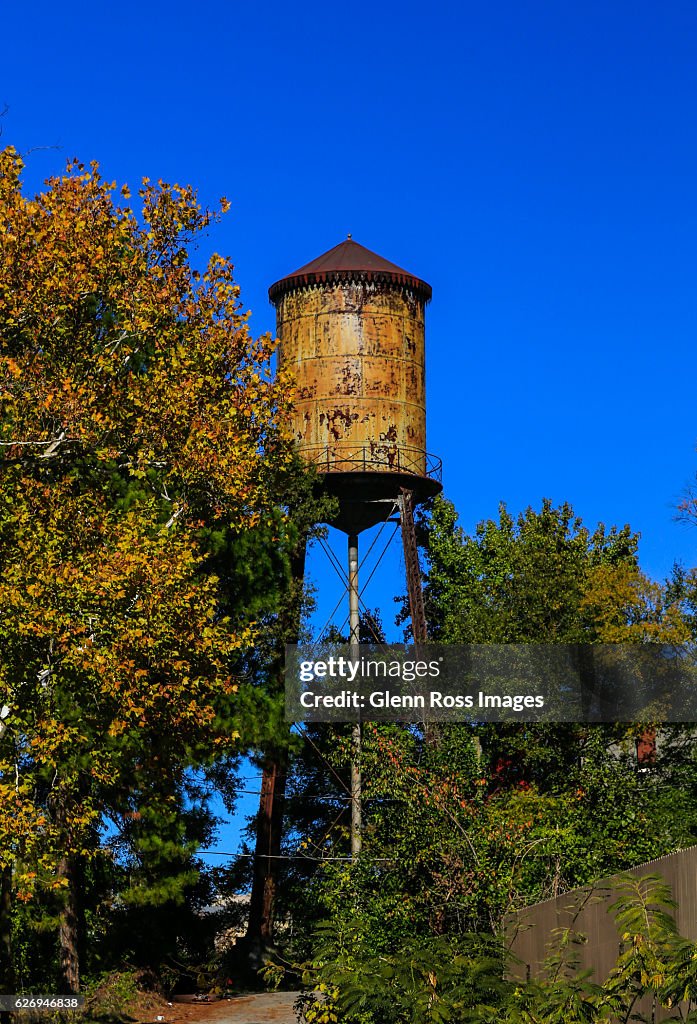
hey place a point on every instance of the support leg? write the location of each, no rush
(354, 638)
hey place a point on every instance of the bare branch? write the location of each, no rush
(686, 511)
(51, 446)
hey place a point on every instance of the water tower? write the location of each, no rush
(351, 330)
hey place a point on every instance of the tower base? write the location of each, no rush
(366, 499)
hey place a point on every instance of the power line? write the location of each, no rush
(289, 856)
(295, 796)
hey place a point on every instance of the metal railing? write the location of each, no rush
(375, 457)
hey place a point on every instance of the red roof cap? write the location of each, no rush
(348, 261)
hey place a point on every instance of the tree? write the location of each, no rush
(519, 580)
(307, 507)
(140, 435)
(542, 577)
(456, 838)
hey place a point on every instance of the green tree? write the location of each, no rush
(142, 444)
(457, 837)
(516, 580)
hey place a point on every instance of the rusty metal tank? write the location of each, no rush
(351, 330)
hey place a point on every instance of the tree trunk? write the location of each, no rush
(269, 825)
(70, 875)
(69, 927)
(266, 854)
(7, 974)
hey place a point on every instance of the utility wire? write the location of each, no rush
(292, 796)
(288, 856)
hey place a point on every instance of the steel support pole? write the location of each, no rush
(354, 640)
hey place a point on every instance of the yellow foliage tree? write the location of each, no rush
(622, 605)
(137, 416)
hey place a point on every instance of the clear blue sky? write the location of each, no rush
(536, 162)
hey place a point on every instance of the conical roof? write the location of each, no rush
(348, 261)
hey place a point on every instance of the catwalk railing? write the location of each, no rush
(373, 458)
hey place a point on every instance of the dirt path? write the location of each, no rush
(261, 1008)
